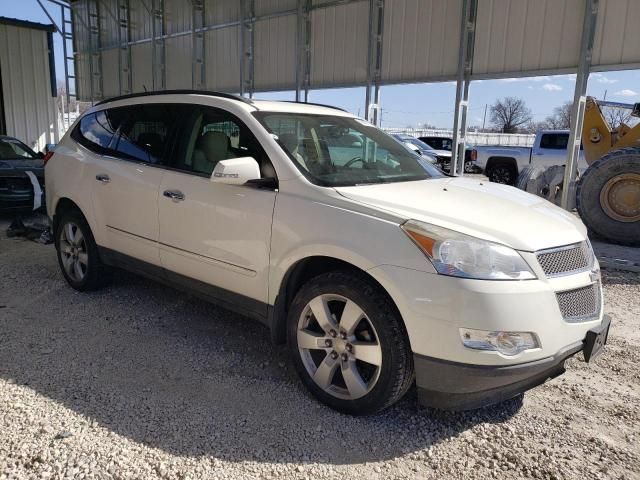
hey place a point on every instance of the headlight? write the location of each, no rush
(459, 255)
(507, 343)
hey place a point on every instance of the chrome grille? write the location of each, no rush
(566, 260)
(580, 305)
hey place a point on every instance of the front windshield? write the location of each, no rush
(11, 149)
(343, 151)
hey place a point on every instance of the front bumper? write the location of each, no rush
(458, 386)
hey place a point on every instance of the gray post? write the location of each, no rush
(579, 100)
(124, 55)
(465, 65)
(246, 44)
(198, 57)
(374, 56)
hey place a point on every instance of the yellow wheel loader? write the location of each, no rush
(608, 191)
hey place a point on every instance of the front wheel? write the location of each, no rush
(349, 344)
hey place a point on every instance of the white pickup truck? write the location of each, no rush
(503, 164)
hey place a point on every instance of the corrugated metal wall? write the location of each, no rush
(420, 41)
(30, 109)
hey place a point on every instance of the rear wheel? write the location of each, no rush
(349, 344)
(503, 173)
(78, 253)
(469, 167)
(608, 196)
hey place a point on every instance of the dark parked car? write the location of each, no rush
(444, 143)
(16, 185)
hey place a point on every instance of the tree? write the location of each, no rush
(617, 116)
(510, 113)
(561, 117)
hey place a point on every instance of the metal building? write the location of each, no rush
(245, 46)
(28, 108)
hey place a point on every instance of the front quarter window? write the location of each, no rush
(343, 151)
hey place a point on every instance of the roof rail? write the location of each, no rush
(177, 92)
(315, 104)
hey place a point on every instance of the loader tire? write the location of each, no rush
(608, 197)
(527, 175)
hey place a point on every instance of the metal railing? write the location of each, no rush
(473, 138)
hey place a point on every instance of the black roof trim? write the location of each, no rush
(15, 22)
(316, 105)
(177, 92)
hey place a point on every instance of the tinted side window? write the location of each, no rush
(96, 130)
(146, 133)
(555, 141)
(211, 135)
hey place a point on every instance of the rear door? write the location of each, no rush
(217, 234)
(128, 176)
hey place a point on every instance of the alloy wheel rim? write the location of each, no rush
(339, 346)
(73, 251)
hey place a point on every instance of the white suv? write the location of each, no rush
(376, 269)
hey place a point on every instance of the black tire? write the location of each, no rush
(396, 370)
(96, 274)
(527, 174)
(590, 186)
(503, 173)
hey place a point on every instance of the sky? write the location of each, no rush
(416, 104)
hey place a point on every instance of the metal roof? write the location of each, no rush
(276, 45)
(26, 24)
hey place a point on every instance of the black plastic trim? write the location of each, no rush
(459, 386)
(225, 298)
(177, 92)
(315, 105)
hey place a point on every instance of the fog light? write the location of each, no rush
(506, 343)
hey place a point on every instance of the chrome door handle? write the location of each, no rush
(174, 194)
(103, 178)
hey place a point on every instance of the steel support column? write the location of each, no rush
(579, 101)
(158, 31)
(198, 66)
(303, 49)
(247, 28)
(465, 66)
(124, 50)
(374, 59)
(95, 53)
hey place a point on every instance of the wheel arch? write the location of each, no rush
(297, 275)
(62, 205)
(499, 160)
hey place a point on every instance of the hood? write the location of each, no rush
(9, 167)
(491, 211)
(441, 153)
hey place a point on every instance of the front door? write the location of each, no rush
(217, 234)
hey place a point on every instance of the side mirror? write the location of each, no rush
(40, 154)
(236, 171)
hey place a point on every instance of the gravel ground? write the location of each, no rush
(141, 381)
